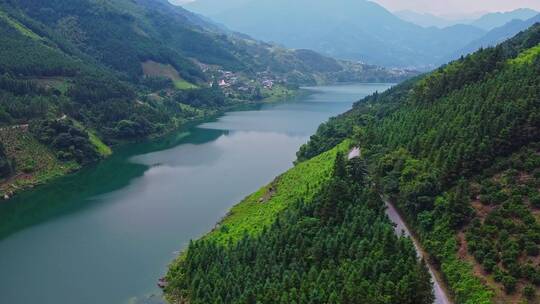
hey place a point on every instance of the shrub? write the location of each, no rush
(509, 283)
(535, 200)
(529, 291)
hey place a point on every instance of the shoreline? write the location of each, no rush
(9, 188)
(260, 208)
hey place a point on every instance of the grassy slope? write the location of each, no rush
(528, 56)
(261, 208)
(19, 27)
(181, 84)
(156, 69)
(277, 93)
(101, 147)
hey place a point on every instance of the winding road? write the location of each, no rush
(440, 293)
(401, 228)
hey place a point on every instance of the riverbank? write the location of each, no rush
(260, 209)
(36, 164)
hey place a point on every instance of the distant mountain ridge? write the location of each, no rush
(356, 30)
(487, 21)
(428, 20)
(495, 36)
(493, 20)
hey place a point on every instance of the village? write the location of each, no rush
(238, 85)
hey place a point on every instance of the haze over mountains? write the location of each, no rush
(356, 30)
(495, 36)
(487, 21)
(493, 20)
(429, 20)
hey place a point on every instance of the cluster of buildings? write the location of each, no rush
(232, 82)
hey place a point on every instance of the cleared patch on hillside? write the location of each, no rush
(156, 69)
(34, 163)
(100, 146)
(59, 83)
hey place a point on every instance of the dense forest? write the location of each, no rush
(336, 248)
(456, 150)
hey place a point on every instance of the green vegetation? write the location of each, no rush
(63, 136)
(332, 245)
(152, 69)
(22, 54)
(32, 162)
(431, 143)
(101, 147)
(260, 209)
(504, 234)
(184, 85)
(5, 164)
(528, 56)
(277, 92)
(21, 28)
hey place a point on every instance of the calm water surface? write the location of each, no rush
(106, 234)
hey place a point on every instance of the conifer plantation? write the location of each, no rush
(337, 248)
(457, 151)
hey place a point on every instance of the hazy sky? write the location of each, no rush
(443, 7)
(449, 7)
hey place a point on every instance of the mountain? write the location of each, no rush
(495, 36)
(493, 20)
(426, 19)
(487, 21)
(457, 151)
(211, 7)
(352, 29)
(78, 75)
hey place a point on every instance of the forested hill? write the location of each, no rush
(122, 34)
(73, 72)
(457, 150)
(332, 244)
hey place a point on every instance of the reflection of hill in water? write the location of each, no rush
(74, 192)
